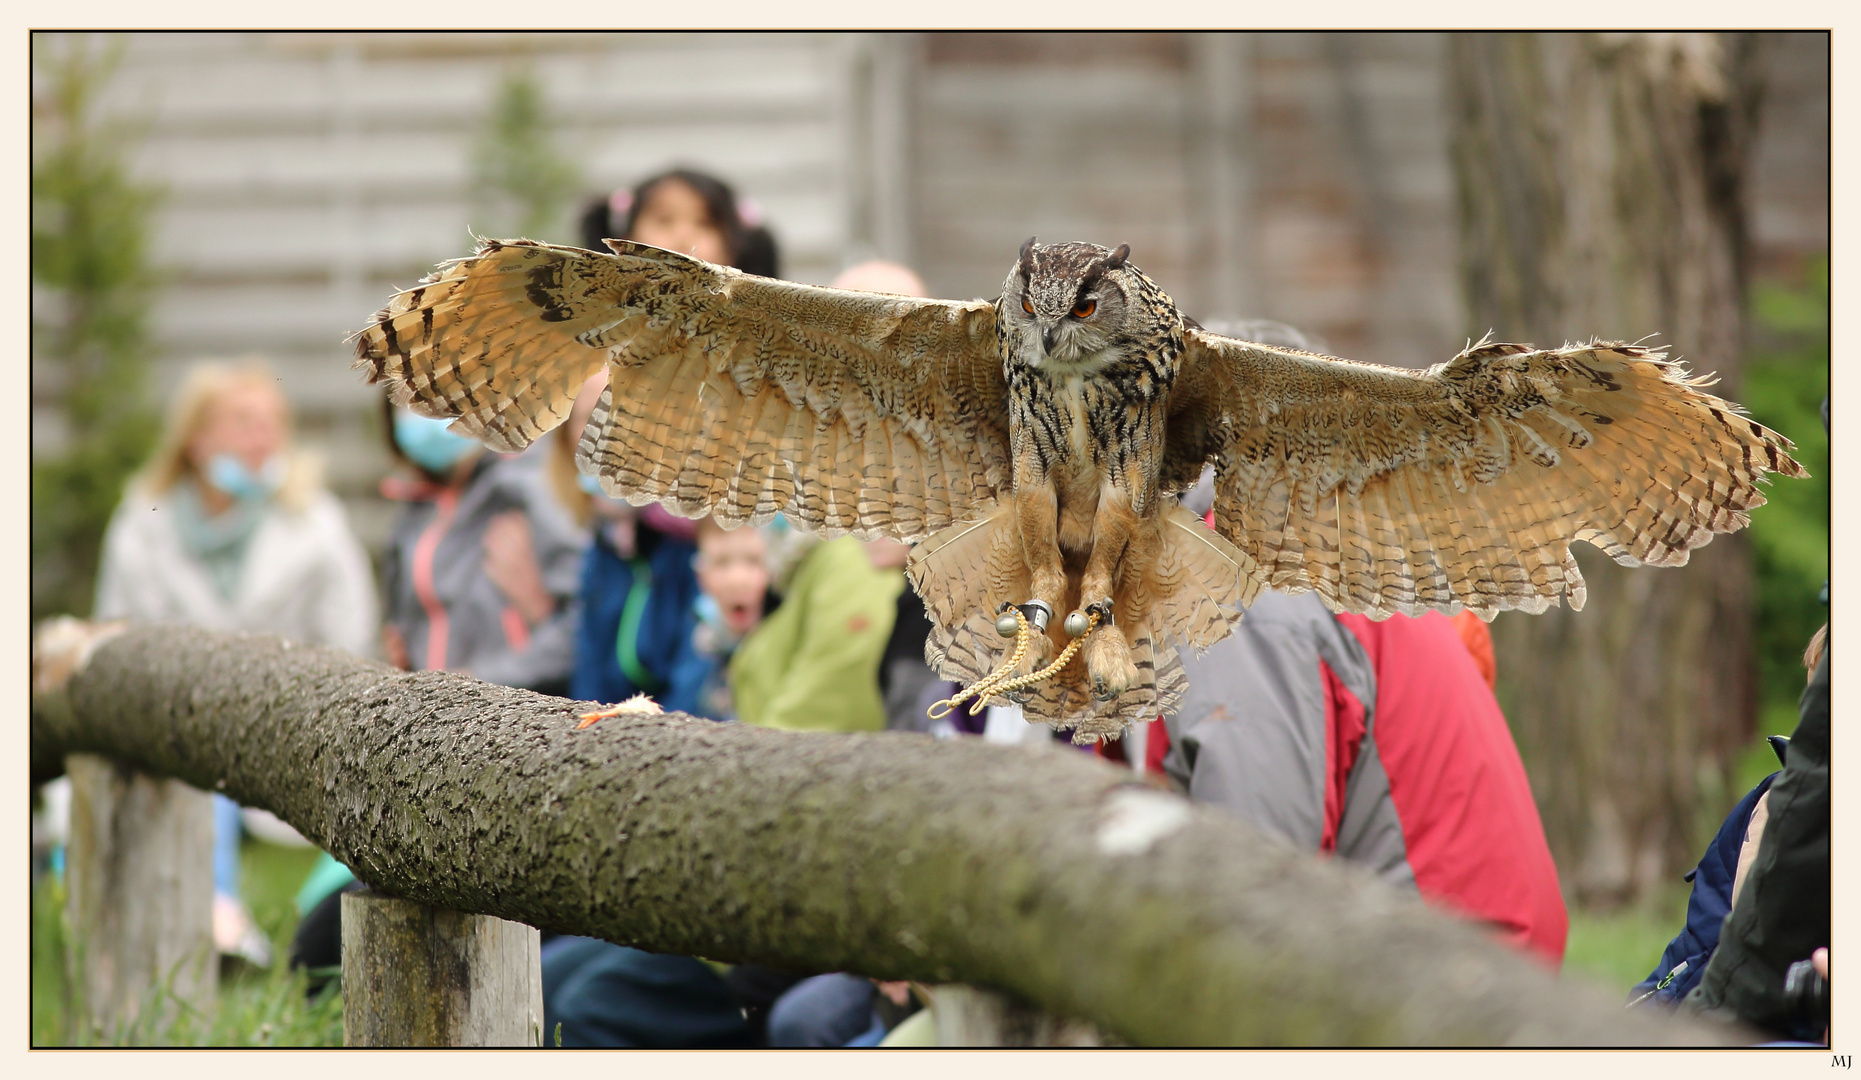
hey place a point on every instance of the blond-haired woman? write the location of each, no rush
(228, 527)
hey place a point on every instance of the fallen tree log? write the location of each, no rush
(1046, 874)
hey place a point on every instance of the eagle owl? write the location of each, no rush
(1035, 446)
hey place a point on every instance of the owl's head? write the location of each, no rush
(1065, 308)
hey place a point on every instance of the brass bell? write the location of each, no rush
(1007, 625)
(1077, 624)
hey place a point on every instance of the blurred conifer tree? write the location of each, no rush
(93, 281)
(521, 183)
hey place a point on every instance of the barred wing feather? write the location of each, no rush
(728, 394)
(1389, 490)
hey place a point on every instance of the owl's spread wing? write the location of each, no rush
(1389, 490)
(728, 393)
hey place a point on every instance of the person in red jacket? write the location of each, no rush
(1378, 742)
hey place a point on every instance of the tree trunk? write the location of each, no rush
(140, 873)
(414, 975)
(1045, 873)
(1601, 190)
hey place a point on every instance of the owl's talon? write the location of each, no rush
(1109, 669)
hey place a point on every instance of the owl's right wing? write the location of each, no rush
(1389, 490)
(728, 394)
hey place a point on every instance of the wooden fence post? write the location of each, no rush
(139, 875)
(969, 1016)
(415, 975)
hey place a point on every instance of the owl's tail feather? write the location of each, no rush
(1195, 592)
(1202, 582)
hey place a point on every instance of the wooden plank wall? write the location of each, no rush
(1790, 164)
(1301, 177)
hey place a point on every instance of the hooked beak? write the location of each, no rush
(1046, 338)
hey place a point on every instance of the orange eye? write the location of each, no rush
(1085, 309)
(1027, 307)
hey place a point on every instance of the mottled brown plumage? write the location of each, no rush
(1036, 445)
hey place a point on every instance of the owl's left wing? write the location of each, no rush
(1389, 490)
(728, 394)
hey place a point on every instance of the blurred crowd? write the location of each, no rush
(1380, 743)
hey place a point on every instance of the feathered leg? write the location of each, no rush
(1036, 510)
(1120, 539)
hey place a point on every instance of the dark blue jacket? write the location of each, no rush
(636, 619)
(1706, 910)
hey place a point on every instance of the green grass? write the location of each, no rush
(1612, 950)
(270, 875)
(255, 1007)
(1617, 949)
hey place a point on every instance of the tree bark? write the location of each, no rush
(414, 975)
(1045, 873)
(1601, 190)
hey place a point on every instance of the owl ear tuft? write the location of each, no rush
(1026, 262)
(1116, 262)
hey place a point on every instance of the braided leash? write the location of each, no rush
(999, 682)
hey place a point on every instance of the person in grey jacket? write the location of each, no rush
(483, 564)
(1376, 742)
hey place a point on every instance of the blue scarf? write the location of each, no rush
(218, 542)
